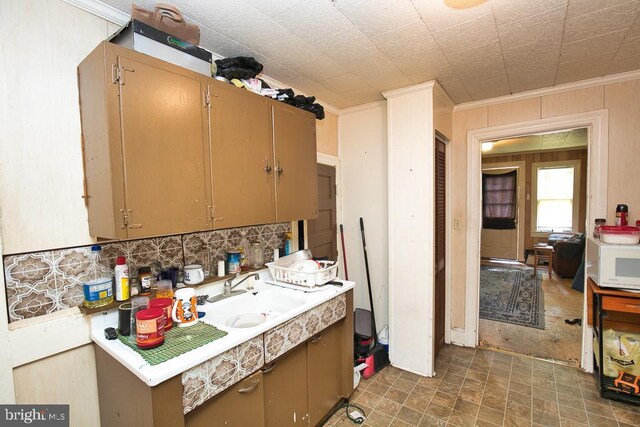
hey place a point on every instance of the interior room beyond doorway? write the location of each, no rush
(533, 197)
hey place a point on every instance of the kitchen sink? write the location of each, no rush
(252, 308)
(247, 320)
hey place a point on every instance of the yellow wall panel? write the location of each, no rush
(327, 134)
(514, 112)
(575, 101)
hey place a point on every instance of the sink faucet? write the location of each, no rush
(228, 284)
(227, 290)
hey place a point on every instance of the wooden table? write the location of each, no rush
(542, 253)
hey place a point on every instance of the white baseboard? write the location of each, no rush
(457, 336)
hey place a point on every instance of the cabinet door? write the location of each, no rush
(242, 157)
(163, 149)
(296, 169)
(285, 390)
(242, 405)
(324, 360)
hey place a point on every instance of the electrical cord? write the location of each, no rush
(360, 416)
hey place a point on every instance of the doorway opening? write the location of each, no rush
(534, 210)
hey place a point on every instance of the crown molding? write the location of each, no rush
(443, 93)
(582, 84)
(101, 10)
(409, 89)
(362, 107)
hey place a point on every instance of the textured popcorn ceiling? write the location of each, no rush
(346, 52)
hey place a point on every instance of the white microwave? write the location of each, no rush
(613, 266)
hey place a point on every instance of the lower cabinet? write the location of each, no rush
(242, 405)
(299, 388)
(325, 371)
(285, 389)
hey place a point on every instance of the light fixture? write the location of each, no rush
(463, 4)
(487, 146)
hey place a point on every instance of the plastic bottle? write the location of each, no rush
(288, 243)
(97, 289)
(122, 279)
(622, 213)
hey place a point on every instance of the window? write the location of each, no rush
(499, 200)
(555, 200)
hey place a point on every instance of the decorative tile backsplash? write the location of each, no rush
(206, 380)
(39, 283)
(279, 340)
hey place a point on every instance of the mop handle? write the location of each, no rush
(366, 264)
(344, 254)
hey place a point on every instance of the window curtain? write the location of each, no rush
(499, 200)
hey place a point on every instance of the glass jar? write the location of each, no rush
(256, 255)
(596, 229)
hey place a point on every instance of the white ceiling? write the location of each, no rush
(566, 140)
(346, 52)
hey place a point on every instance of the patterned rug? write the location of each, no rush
(511, 295)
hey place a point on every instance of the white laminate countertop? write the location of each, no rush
(154, 375)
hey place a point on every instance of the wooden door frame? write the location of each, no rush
(597, 179)
(329, 160)
(521, 167)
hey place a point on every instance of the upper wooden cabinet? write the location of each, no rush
(263, 159)
(170, 151)
(294, 137)
(241, 156)
(143, 144)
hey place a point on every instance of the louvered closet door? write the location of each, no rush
(440, 225)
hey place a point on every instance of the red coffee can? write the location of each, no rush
(150, 327)
(166, 304)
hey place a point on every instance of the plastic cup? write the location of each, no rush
(164, 289)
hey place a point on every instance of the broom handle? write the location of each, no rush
(344, 254)
(366, 265)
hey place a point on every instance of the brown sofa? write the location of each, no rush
(567, 255)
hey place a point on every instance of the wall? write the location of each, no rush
(411, 217)
(40, 190)
(40, 194)
(327, 134)
(41, 382)
(624, 151)
(363, 155)
(545, 156)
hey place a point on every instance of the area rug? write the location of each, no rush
(511, 295)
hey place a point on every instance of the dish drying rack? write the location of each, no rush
(327, 272)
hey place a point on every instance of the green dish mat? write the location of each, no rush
(177, 341)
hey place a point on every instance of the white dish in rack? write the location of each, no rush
(327, 271)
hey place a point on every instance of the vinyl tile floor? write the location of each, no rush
(558, 341)
(481, 387)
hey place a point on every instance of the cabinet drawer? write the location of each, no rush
(626, 305)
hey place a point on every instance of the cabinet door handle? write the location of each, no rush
(135, 225)
(316, 339)
(131, 70)
(267, 168)
(279, 170)
(252, 387)
(268, 368)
